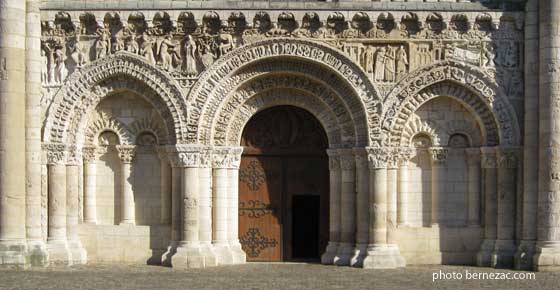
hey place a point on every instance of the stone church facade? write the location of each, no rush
(201, 133)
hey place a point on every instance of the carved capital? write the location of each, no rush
(56, 153)
(508, 157)
(334, 160)
(473, 156)
(90, 154)
(226, 157)
(488, 157)
(378, 157)
(74, 155)
(405, 154)
(126, 153)
(346, 159)
(438, 155)
(361, 158)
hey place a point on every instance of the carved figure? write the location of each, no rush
(78, 55)
(380, 60)
(369, 59)
(147, 49)
(168, 55)
(118, 45)
(132, 45)
(390, 65)
(59, 67)
(488, 55)
(102, 46)
(45, 68)
(402, 61)
(208, 55)
(189, 63)
(226, 43)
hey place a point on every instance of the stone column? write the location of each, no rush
(176, 185)
(205, 207)
(165, 186)
(221, 164)
(504, 249)
(239, 256)
(547, 255)
(13, 248)
(392, 188)
(128, 210)
(489, 165)
(57, 243)
(379, 256)
(405, 155)
(79, 255)
(473, 161)
(439, 161)
(345, 249)
(334, 209)
(37, 250)
(362, 207)
(526, 249)
(189, 254)
(90, 156)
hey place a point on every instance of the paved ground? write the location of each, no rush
(260, 276)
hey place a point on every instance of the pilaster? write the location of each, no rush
(489, 165)
(347, 207)
(328, 257)
(79, 255)
(362, 207)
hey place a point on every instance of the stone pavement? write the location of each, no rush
(258, 276)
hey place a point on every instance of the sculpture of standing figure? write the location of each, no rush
(190, 56)
(132, 45)
(45, 68)
(380, 60)
(118, 45)
(167, 53)
(78, 55)
(59, 69)
(102, 46)
(390, 65)
(402, 61)
(147, 49)
(369, 59)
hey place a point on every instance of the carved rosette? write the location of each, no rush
(56, 153)
(508, 157)
(126, 153)
(226, 157)
(378, 157)
(438, 155)
(488, 157)
(89, 154)
(473, 156)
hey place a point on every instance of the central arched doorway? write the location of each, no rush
(284, 186)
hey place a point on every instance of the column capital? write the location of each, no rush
(226, 157)
(438, 155)
(405, 154)
(334, 159)
(378, 157)
(508, 157)
(488, 157)
(473, 156)
(89, 153)
(184, 156)
(126, 153)
(74, 155)
(56, 153)
(361, 160)
(346, 159)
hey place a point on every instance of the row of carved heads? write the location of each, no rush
(212, 22)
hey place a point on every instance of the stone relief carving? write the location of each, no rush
(126, 153)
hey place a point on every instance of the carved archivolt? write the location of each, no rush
(102, 122)
(149, 125)
(466, 84)
(83, 90)
(417, 126)
(208, 93)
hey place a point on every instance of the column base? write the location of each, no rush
(59, 253)
(399, 259)
(330, 253)
(127, 223)
(344, 254)
(484, 256)
(503, 254)
(166, 257)
(79, 254)
(223, 253)
(523, 259)
(382, 257)
(210, 259)
(239, 256)
(547, 257)
(188, 257)
(37, 254)
(360, 253)
(13, 254)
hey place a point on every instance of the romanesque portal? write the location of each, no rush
(195, 134)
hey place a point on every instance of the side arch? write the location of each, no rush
(207, 96)
(85, 88)
(464, 83)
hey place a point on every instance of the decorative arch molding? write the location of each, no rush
(102, 122)
(464, 83)
(272, 98)
(352, 132)
(417, 126)
(465, 128)
(86, 87)
(149, 125)
(208, 93)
